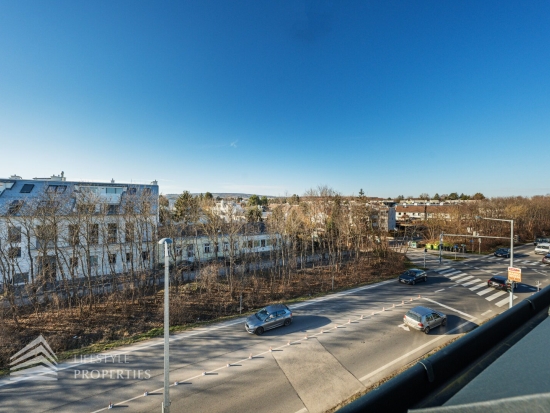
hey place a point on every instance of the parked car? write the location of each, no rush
(546, 259)
(542, 248)
(424, 319)
(501, 283)
(502, 252)
(267, 318)
(413, 276)
(538, 240)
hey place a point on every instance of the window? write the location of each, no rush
(131, 191)
(236, 246)
(92, 261)
(112, 258)
(111, 233)
(129, 257)
(73, 235)
(27, 188)
(93, 234)
(14, 207)
(226, 246)
(256, 243)
(21, 278)
(129, 232)
(113, 190)
(145, 255)
(86, 209)
(190, 251)
(14, 252)
(207, 248)
(73, 262)
(146, 191)
(14, 234)
(113, 209)
(250, 244)
(46, 236)
(47, 207)
(57, 188)
(262, 243)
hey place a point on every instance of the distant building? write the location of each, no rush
(52, 229)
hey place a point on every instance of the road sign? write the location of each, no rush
(514, 274)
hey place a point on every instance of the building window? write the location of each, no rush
(146, 191)
(129, 232)
(92, 262)
(27, 188)
(236, 246)
(145, 255)
(262, 243)
(74, 238)
(131, 191)
(250, 244)
(14, 234)
(111, 233)
(207, 248)
(190, 251)
(113, 209)
(14, 207)
(85, 209)
(112, 258)
(14, 252)
(93, 234)
(57, 188)
(73, 262)
(46, 236)
(129, 257)
(21, 278)
(226, 246)
(113, 190)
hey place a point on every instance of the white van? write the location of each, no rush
(542, 248)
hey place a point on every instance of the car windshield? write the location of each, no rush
(262, 314)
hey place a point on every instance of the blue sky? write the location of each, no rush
(275, 97)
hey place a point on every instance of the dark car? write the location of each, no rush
(413, 276)
(267, 318)
(501, 283)
(502, 252)
(546, 259)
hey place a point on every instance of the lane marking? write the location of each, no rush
(439, 290)
(495, 295)
(506, 300)
(477, 280)
(397, 360)
(404, 327)
(461, 280)
(477, 287)
(450, 308)
(304, 410)
(486, 312)
(487, 291)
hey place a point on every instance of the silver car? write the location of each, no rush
(267, 318)
(424, 319)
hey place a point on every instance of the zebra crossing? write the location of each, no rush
(474, 284)
(520, 261)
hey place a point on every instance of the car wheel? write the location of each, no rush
(425, 279)
(444, 322)
(413, 282)
(287, 322)
(427, 330)
(259, 331)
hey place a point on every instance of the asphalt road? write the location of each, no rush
(336, 346)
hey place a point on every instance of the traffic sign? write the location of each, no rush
(514, 274)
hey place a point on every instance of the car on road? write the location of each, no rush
(413, 276)
(424, 319)
(538, 240)
(546, 259)
(542, 248)
(502, 252)
(267, 318)
(501, 283)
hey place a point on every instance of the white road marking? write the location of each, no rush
(446, 272)
(442, 269)
(404, 327)
(495, 295)
(506, 300)
(471, 282)
(450, 308)
(439, 290)
(487, 291)
(487, 312)
(461, 280)
(397, 360)
(453, 273)
(457, 276)
(477, 287)
(304, 410)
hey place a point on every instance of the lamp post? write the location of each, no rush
(166, 402)
(511, 221)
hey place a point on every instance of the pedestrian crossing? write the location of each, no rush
(520, 261)
(476, 285)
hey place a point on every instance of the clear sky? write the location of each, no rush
(275, 97)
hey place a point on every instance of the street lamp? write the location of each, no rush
(166, 403)
(511, 221)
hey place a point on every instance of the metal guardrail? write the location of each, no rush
(415, 384)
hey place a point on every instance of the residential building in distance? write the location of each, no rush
(52, 229)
